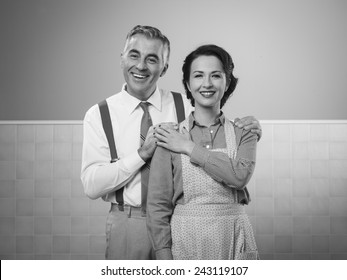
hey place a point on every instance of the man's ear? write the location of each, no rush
(164, 70)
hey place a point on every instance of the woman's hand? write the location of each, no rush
(173, 140)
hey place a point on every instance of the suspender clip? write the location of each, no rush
(114, 160)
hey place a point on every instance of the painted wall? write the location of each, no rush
(58, 58)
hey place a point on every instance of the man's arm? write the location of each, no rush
(98, 175)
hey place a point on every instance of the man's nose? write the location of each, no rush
(141, 65)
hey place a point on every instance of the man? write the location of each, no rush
(121, 182)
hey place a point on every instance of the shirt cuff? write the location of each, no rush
(164, 254)
(132, 163)
(199, 155)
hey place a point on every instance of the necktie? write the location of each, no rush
(146, 123)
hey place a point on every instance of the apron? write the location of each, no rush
(211, 224)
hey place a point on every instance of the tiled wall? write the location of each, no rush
(298, 208)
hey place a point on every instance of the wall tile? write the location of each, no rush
(282, 150)
(283, 206)
(7, 151)
(264, 187)
(320, 225)
(43, 225)
(43, 188)
(62, 169)
(338, 168)
(24, 188)
(7, 226)
(281, 133)
(62, 133)
(7, 207)
(338, 244)
(283, 244)
(320, 244)
(24, 207)
(97, 225)
(301, 169)
(77, 188)
(80, 244)
(77, 133)
(26, 133)
(338, 187)
(24, 225)
(301, 187)
(264, 150)
(338, 132)
(300, 132)
(80, 225)
(80, 206)
(320, 169)
(61, 225)
(319, 132)
(319, 206)
(7, 245)
(282, 169)
(8, 133)
(301, 225)
(61, 244)
(339, 225)
(301, 207)
(7, 170)
(283, 187)
(98, 207)
(320, 187)
(319, 150)
(25, 152)
(77, 151)
(44, 151)
(62, 151)
(43, 170)
(25, 170)
(7, 188)
(302, 244)
(264, 225)
(61, 207)
(25, 244)
(300, 150)
(62, 188)
(283, 225)
(263, 169)
(338, 206)
(43, 207)
(338, 150)
(44, 133)
(97, 244)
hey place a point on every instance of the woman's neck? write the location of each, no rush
(206, 116)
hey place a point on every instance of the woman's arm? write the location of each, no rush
(232, 172)
(159, 203)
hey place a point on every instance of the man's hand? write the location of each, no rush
(174, 141)
(146, 151)
(249, 123)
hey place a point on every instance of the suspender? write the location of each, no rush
(107, 125)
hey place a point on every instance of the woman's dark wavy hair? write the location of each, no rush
(228, 67)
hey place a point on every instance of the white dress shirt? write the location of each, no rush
(101, 178)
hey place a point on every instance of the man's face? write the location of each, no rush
(142, 63)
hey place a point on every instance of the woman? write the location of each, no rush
(197, 188)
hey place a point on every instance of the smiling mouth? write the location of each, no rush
(139, 76)
(207, 93)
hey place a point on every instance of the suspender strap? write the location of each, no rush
(107, 125)
(179, 106)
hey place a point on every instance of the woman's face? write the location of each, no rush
(207, 81)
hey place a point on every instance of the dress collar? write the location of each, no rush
(193, 122)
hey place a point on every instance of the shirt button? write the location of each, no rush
(211, 131)
(207, 146)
